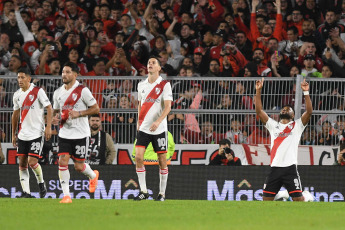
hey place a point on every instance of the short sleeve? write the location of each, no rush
(300, 125)
(43, 99)
(167, 92)
(270, 124)
(139, 92)
(87, 97)
(55, 100)
(15, 102)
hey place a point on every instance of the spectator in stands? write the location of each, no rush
(219, 40)
(291, 46)
(309, 136)
(72, 11)
(125, 123)
(241, 98)
(74, 56)
(206, 136)
(5, 54)
(258, 58)
(2, 157)
(94, 52)
(235, 134)
(98, 85)
(309, 70)
(294, 71)
(11, 28)
(309, 48)
(4, 100)
(339, 129)
(224, 120)
(330, 23)
(325, 137)
(102, 149)
(200, 61)
(126, 23)
(251, 70)
(244, 45)
(297, 20)
(126, 88)
(226, 155)
(214, 68)
(118, 65)
(278, 65)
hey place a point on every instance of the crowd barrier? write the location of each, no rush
(184, 182)
(222, 100)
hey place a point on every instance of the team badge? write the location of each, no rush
(31, 97)
(92, 141)
(74, 96)
(290, 126)
(158, 90)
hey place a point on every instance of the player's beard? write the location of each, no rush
(94, 127)
(284, 116)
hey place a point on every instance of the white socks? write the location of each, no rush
(142, 179)
(87, 171)
(64, 179)
(37, 169)
(163, 178)
(24, 177)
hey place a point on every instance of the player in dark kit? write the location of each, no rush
(73, 102)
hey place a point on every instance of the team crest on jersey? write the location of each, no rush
(74, 96)
(31, 97)
(158, 90)
(92, 141)
(290, 126)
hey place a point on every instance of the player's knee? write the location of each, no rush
(79, 167)
(32, 161)
(139, 158)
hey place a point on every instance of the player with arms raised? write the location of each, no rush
(73, 102)
(28, 106)
(154, 104)
(285, 137)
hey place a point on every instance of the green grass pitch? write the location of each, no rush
(171, 214)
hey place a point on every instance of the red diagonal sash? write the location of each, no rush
(69, 104)
(27, 103)
(280, 139)
(150, 100)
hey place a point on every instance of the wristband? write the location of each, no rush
(306, 93)
(79, 114)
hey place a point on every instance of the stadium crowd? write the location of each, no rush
(211, 38)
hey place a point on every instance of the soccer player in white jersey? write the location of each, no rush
(285, 137)
(28, 106)
(154, 104)
(73, 102)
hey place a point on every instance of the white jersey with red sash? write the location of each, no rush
(285, 139)
(31, 104)
(152, 97)
(77, 98)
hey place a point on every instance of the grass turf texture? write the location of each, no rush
(171, 214)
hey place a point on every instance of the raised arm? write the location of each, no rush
(308, 106)
(169, 33)
(258, 104)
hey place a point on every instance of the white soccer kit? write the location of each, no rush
(32, 126)
(285, 139)
(76, 128)
(144, 89)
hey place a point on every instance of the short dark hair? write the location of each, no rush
(294, 29)
(216, 60)
(157, 58)
(288, 105)
(73, 66)
(51, 60)
(95, 115)
(24, 70)
(225, 142)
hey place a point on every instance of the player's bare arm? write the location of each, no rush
(166, 111)
(48, 129)
(308, 106)
(15, 119)
(139, 108)
(90, 111)
(56, 117)
(258, 104)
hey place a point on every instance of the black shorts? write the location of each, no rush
(31, 148)
(77, 148)
(279, 176)
(159, 141)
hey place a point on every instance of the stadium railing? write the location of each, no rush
(220, 101)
